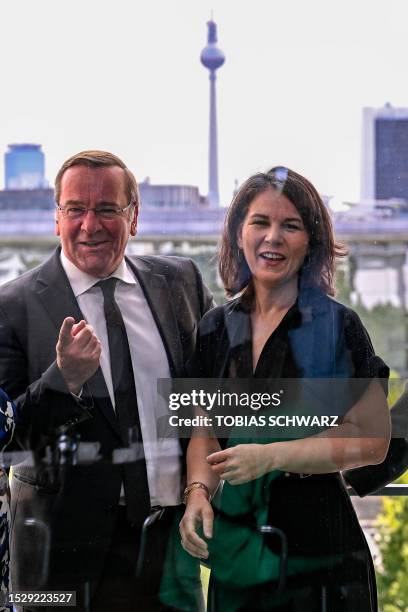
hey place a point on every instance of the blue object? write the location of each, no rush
(7, 419)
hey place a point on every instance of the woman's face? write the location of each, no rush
(273, 239)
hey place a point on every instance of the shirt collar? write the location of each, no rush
(81, 282)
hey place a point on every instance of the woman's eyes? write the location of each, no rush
(292, 226)
(286, 225)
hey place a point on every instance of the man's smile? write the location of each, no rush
(92, 243)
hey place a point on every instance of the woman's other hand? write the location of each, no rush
(199, 513)
(241, 463)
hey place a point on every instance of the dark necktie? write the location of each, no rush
(134, 474)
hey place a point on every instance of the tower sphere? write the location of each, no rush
(211, 56)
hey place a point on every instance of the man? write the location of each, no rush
(81, 358)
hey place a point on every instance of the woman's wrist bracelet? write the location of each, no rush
(191, 487)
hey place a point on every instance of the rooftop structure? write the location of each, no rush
(170, 196)
(27, 199)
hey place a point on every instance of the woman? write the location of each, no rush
(7, 422)
(277, 258)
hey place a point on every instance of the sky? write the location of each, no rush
(125, 76)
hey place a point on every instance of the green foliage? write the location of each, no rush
(392, 578)
(386, 324)
(388, 329)
(205, 259)
(396, 387)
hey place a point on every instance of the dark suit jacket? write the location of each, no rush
(369, 479)
(74, 508)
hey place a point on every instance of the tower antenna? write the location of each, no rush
(212, 58)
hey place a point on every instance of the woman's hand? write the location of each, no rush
(241, 463)
(361, 439)
(198, 513)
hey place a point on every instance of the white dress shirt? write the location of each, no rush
(149, 361)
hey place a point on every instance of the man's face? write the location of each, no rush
(95, 245)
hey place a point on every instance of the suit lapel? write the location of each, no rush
(55, 292)
(157, 293)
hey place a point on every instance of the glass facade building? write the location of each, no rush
(385, 153)
(24, 166)
(391, 160)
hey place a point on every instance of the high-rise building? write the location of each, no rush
(212, 58)
(24, 167)
(385, 153)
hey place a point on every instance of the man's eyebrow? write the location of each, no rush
(108, 203)
(73, 203)
(82, 205)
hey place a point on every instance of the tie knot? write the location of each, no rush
(108, 287)
(112, 313)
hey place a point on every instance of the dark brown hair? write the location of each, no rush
(98, 159)
(323, 250)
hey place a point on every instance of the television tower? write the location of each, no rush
(212, 58)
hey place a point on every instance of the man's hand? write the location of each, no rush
(78, 353)
(242, 463)
(198, 513)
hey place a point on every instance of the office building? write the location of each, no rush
(385, 153)
(24, 166)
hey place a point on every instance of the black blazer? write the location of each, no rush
(73, 511)
(314, 512)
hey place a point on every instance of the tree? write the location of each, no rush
(387, 325)
(392, 576)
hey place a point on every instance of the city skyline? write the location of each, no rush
(129, 80)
